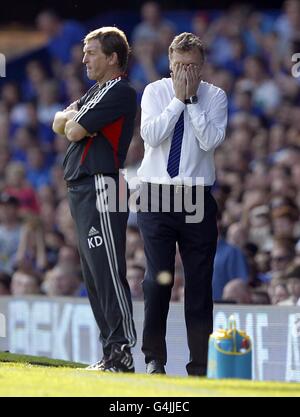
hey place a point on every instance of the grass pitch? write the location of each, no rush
(43, 377)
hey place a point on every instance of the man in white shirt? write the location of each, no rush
(183, 121)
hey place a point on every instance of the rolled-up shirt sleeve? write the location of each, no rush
(209, 126)
(156, 124)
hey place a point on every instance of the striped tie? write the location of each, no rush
(175, 150)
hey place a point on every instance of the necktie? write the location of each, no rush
(175, 150)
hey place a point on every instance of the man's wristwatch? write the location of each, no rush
(191, 100)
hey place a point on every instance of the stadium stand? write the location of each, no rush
(258, 166)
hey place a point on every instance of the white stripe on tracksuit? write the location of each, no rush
(112, 259)
(92, 103)
(128, 315)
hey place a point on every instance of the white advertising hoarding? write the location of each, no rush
(64, 328)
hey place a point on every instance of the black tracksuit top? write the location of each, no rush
(109, 111)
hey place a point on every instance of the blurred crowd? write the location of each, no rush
(249, 55)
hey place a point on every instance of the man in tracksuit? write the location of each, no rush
(99, 127)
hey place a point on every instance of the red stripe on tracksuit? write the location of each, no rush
(113, 132)
(86, 149)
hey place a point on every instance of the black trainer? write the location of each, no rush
(120, 360)
(155, 367)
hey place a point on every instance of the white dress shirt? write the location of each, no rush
(204, 129)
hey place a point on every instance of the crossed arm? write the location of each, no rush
(64, 124)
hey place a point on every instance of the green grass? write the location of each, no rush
(38, 360)
(32, 376)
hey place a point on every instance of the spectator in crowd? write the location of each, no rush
(165, 36)
(135, 262)
(57, 182)
(278, 291)
(151, 39)
(60, 146)
(46, 195)
(27, 131)
(200, 25)
(260, 226)
(62, 35)
(237, 291)
(38, 174)
(31, 254)
(260, 296)
(284, 222)
(229, 263)
(178, 287)
(36, 76)
(24, 283)
(68, 255)
(292, 278)
(5, 156)
(62, 280)
(10, 232)
(65, 222)
(18, 187)
(40, 130)
(135, 276)
(250, 251)
(10, 96)
(282, 255)
(288, 23)
(297, 256)
(237, 235)
(133, 241)
(23, 140)
(48, 103)
(218, 39)
(144, 68)
(54, 241)
(5, 281)
(152, 23)
(266, 94)
(262, 262)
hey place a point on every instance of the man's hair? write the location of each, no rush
(186, 42)
(112, 40)
(288, 244)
